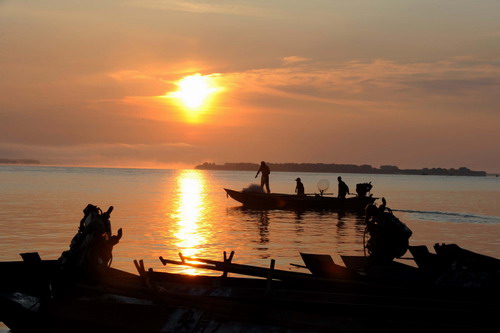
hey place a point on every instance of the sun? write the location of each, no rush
(195, 90)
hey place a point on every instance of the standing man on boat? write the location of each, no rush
(264, 180)
(299, 189)
(343, 188)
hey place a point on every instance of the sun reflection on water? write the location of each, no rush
(190, 210)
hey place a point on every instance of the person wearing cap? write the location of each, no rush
(299, 189)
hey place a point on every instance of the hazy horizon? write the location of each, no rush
(180, 166)
(157, 83)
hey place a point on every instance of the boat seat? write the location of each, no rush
(393, 271)
(425, 259)
(322, 265)
(31, 258)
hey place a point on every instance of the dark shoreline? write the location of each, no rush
(342, 168)
(18, 161)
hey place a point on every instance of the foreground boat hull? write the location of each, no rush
(124, 303)
(285, 302)
(296, 202)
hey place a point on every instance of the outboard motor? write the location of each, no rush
(389, 237)
(90, 250)
(362, 189)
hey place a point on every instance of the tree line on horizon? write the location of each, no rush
(341, 168)
(18, 161)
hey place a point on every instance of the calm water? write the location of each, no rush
(164, 212)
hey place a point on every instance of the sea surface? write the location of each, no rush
(167, 212)
(164, 212)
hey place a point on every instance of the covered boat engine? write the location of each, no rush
(362, 189)
(389, 237)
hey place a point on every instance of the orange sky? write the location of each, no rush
(409, 83)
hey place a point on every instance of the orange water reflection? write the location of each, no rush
(190, 209)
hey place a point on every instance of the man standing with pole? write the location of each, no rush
(264, 180)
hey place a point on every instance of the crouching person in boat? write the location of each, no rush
(90, 251)
(389, 237)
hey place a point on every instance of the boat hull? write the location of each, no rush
(298, 202)
(293, 302)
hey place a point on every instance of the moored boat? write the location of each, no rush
(284, 301)
(123, 302)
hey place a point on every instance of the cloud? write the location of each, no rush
(128, 75)
(380, 82)
(202, 7)
(380, 86)
(293, 60)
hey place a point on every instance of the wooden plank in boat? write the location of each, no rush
(392, 272)
(322, 265)
(238, 268)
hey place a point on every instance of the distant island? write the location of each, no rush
(342, 168)
(18, 161)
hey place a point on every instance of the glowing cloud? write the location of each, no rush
(293, 60)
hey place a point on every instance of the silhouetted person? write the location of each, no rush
(343, 188)
(264, 180)
(299, 189)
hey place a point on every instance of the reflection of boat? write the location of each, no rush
(261, 200)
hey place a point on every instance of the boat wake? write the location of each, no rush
(436, 216)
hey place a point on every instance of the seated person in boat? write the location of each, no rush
(343, 188)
